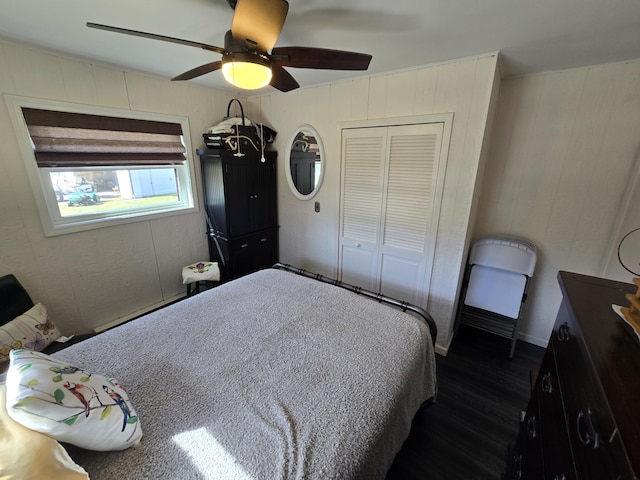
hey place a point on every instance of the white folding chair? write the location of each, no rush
(495, 286)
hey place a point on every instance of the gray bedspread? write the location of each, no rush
(272, 376)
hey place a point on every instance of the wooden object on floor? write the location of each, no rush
(240, 199)
(533, 378)
(632, 314)
(582, 420)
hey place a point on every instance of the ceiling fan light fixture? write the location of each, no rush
(247, 71)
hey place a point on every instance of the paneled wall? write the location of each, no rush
(468, 88)
(563, 148)
(90, 278)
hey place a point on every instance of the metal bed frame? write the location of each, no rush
(421, 313)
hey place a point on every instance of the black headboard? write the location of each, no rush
(14, 299)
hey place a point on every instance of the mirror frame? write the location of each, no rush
(308, 128)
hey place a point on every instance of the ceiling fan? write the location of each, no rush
(249, 59)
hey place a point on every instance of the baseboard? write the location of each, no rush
(540, 342)
(444, 349)
(126, 318)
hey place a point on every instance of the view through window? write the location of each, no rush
(91, 167)
(83, 192)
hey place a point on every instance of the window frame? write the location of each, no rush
(52, 222)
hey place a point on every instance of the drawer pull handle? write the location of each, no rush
(517, 467)
(531, 427)
(586, 430)
(547, 386)
(560, 477)
(264, 239)
(563, 332)
(244, 245)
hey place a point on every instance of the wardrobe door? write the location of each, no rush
(262, 193)
(390, 208)
(237, 173)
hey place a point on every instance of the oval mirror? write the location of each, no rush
(305, 167)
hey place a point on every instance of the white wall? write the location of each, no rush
(563, 147)
(90, 278)
(467, 88)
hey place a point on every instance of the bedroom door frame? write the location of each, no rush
(446, 119)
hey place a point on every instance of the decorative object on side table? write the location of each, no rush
(632, 314)
(199, 272)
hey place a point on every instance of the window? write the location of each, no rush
(91, 167)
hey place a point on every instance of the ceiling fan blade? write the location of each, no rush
(259, 21)
(204, 46)
(201, 70)
(282, 80)
(320, 58)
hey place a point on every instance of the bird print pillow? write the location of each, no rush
(70, 404)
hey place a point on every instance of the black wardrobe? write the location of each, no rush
(241, 208)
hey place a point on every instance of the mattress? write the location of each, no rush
(271, 376)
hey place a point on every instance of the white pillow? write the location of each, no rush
(32, 330)
(70, 404)
(29, 455)
(200, 271)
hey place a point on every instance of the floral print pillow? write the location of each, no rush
(32, 330)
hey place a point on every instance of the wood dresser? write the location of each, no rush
(583, 418)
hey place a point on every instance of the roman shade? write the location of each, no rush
(67, 139)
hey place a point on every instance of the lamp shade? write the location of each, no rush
(249, 75)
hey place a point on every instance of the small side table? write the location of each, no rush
(199, 273)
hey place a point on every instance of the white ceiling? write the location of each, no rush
(532, 35)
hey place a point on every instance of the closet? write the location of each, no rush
(241, 209)
(392, 179)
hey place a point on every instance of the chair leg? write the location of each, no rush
(513, 346)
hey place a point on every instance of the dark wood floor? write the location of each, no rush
(466, 433)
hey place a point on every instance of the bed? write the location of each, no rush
(275, 375)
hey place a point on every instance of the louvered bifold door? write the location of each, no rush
(390, 208)
(410, 211)
(363, 165)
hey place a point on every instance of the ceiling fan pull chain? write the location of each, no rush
(262, 159)
(235, 94)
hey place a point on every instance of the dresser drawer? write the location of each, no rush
(250, 242)
(558, 460)
(252, 252)
(590, 424)
(587, 389)
(525, 462)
